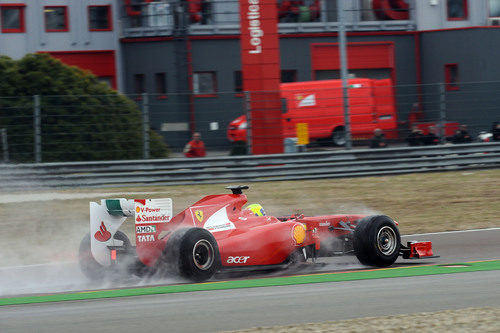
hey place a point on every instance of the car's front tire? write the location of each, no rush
(377, 241)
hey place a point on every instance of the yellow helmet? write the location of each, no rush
(257, 209)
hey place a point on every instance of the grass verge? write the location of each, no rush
(261, 282)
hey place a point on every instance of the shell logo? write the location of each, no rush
(298, 233)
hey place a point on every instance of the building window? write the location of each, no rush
(457, 10)
(238, 82)
(494, 8)
(204, 83)
(385, 10)
(451, 76)
(298, 11)
(12, 18)
(288, 75)
(161, 85)
(56, 19)
(200, 11)
(100, 18)
(139, 86)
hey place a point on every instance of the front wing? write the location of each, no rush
(417, 250)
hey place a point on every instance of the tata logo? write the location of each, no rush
(145, 238)
(237, 259)
(199, 215)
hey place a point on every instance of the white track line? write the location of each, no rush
(450, 232)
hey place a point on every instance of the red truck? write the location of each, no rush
(320, 105)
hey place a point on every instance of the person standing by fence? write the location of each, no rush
(195, 147)
(495, 131)
(416, 137)
(378, 139)
(431, 139)
(461, 135)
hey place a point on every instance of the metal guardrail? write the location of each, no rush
(225, 169)
(4, 145)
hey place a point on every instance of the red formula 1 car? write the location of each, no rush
(217, 233)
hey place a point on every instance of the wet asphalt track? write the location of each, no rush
(243, 308)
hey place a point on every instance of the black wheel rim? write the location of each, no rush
(203, 254)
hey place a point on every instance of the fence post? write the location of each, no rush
(248, 111)
(5, 147)
(442, 112)
(145, 125)
(344, 71)
(37, 130)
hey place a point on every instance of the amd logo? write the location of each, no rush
(145, 229)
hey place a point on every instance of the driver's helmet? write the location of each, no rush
(256, 209)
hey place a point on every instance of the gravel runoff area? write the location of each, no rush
(450, 321)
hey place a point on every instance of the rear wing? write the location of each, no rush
(107, 217)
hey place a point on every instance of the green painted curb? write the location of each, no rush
(263, 282)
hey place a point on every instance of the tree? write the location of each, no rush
(81, 118)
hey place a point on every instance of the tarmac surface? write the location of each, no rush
(208, 311)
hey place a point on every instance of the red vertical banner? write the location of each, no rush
(261, 73)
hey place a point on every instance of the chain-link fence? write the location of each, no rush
(74, 128)
(85, 128)
(414, 115)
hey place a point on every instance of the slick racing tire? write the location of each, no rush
(296, 258)
(377, 241)
(89, 266)
(193, 254)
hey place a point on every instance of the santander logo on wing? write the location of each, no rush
(103, 234)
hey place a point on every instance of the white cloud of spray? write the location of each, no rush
(41, 232)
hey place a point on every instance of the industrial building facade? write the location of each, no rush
(187, 56)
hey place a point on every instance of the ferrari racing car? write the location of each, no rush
(217, 233)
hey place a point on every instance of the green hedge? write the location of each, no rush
(82, 119)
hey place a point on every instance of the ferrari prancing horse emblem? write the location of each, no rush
(199, 215)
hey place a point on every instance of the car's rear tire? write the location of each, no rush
(193, 254)
(89, 266)
(339, 136)
(377, 241)
(296, 258)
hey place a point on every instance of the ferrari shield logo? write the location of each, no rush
(199, 215)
